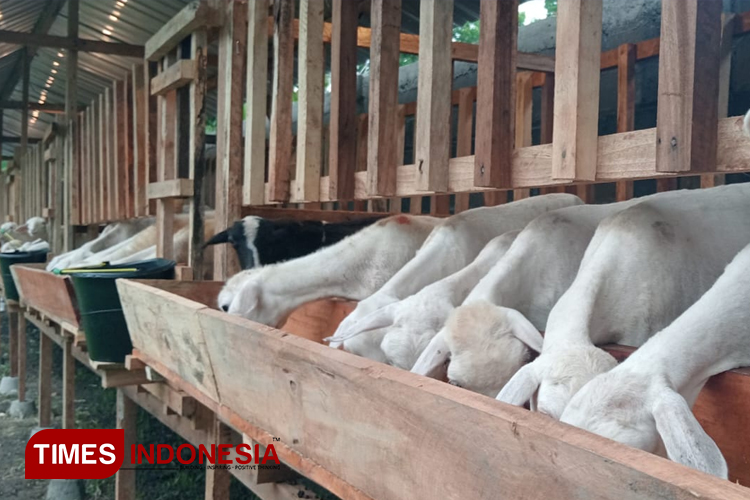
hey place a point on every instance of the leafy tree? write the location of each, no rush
(551, 6)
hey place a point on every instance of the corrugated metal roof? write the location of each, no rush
(18, 15)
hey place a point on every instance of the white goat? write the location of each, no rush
(536, 270)
(643, 268)
(412, 322)
(645, 402)
(110, 236)
(353, 269)
(453, 245)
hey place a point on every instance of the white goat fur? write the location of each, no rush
(645, 402)
(529, 279)
(353, 269)
(452, 246)
(412, 322)
(643, 268)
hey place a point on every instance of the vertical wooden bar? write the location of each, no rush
(493, 198)
(626, 57)
(124, 153)
(21, 356)
(167, 167)
(524, 101)
(310, 101)
(432, 138)
(496, 81)
(687, 106)
(103, 159)
(126, 416)
(26, 71)
(117, 154)
(466, 98)
(68, 172)
(111, 165)
(218, 480)
(68, 384)
(343, 123)
(150, 121)
(547, 108)
(197, 145)
(45, 381)
(140, 124)
(577, 72)
(13, 339)
(92, 167)
(95, 155)
(666, 184)
(232, 40)
(383, 105)
(280, 142)
(256, 95)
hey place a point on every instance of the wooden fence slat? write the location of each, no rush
(467, 96)
(139, 127)
(256, 95)
(111, 131)
(496, 81)
(433, 135)
(687, 105)
(151, 124)
(232, 40)
(626, 56)
(280, 141)
(577, 73)
(343, 122)
(310, 101)
(382, 158)
(523, 118)
(547, 109)
(103, 159)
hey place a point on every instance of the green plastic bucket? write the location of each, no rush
(107, 337)
(8, 259)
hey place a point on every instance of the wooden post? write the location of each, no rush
(13, 338)
(626, 56)
(167, 167)
(256, 95)
(139, 125)
(432, 138)
(95, 155)
(218, 480)
(496, 82)
(26, 69)
(85, 192)
(103, 160)
(687, 106)
(524, 101)
(466, 98)
(124, 154)
(577, 72)
(21, 356)
(70, 171)
(68, 384)
(280, 141)
(45, 380)
(232, 58)
(342, 150)
(151, 124)
(310, 101)
(111, 162)
(127, 413)
(383, 106)
(547, 109)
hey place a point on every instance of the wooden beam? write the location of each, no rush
(342, 151)
(523, 119)
(172, 188)
(464, 123)
(34, 106)
(17, 140)
(79, 44)
(432, 138)
(69, 167)
(382, 157)
(103, 163)
(177, 75)
(198, 14)
(579, 42)
(140, 175)
(310, 102)
(45, 381)
(280, 141)
(26, 70)
(232, 59)
(126, 413)
(68, 385)
(625, 105)
(687, 106)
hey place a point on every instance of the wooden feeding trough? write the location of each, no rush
(367, 430)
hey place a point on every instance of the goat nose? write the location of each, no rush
(225, 307)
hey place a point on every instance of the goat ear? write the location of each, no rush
(684, 438)
(521, 387)
(523, 330)
(246, 301)
(433, 362)
(222, 237)
(380, 318)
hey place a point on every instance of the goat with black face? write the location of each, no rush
(260, 241)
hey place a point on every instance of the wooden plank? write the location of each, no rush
(140, 126)
(124, 163)
(77, 44)
(496, 93)
(174, 188)
(69, 172)
(579, 33)
(111, 161)
(193, 16)
(22, 344)
(68, 385)
(382, 157)
(126, 417)
(280, 141)
(320, 215)
(464, 121)
(44, 397)
(167, 166)
(13, 341)
(93, 168)
(256, 92)
(103, 159)
(175, 76)
(343, 119)
(626, 56)
(218, 480)
(49, 293)
(115, 193)
(432, 137)
(687, 106)
(122, 377)
(232, 40)
(177, 401)
(524, 101)
(152, 134)
(310, 102)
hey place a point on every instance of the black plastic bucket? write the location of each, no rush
(107, 337)
(8, 259)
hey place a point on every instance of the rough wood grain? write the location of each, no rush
(47, 292)
(193, 16)
(626, 56)
(126, 413)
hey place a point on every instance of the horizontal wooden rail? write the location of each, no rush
(174, 188)
(177, 75)
(195, 15)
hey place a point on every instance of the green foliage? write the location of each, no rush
(521, 18)
(467, 33)
(551, 6)
(405, 59)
